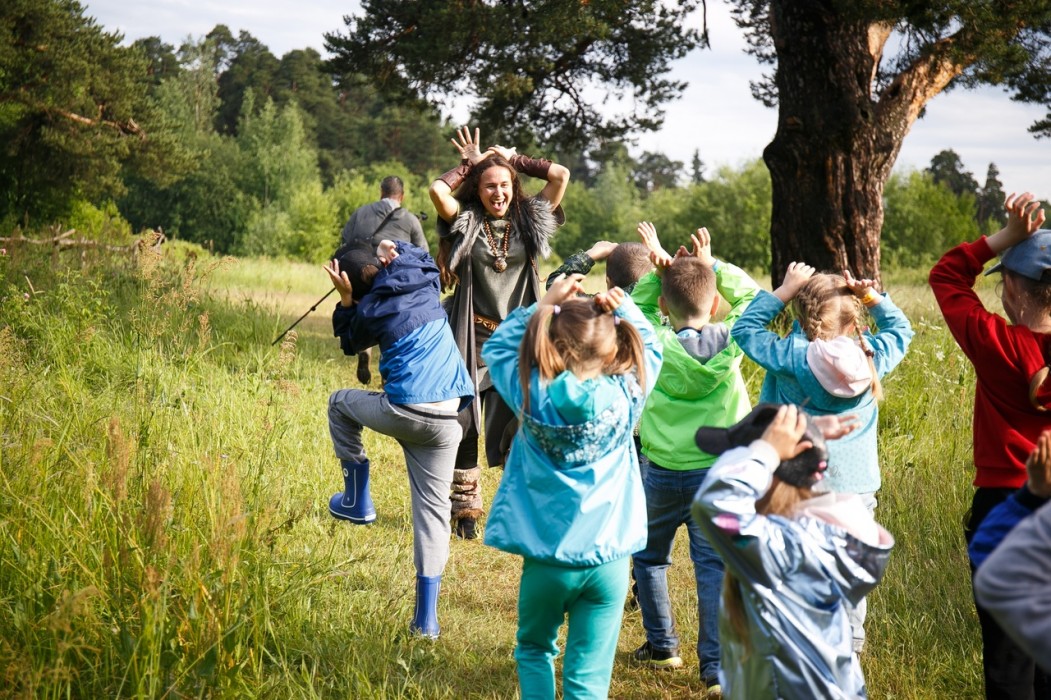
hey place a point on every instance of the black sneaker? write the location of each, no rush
(657, 658)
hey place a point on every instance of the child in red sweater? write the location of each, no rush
(1012, 392)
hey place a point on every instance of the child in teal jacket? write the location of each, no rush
(577, 372)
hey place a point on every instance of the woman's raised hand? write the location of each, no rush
(505, 153)
(469, 148)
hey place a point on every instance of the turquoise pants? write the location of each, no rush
(593, 599)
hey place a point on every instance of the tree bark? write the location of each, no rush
(836, 142)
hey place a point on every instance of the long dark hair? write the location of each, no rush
(467, 196)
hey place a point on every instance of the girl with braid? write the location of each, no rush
(830, 365)
(491, 235)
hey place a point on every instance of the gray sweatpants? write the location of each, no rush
(429, 440)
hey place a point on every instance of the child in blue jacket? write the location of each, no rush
(830, 365)
(577, 372)
(390, 297)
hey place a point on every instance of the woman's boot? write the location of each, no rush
(466, 500)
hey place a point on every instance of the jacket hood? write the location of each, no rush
(840, 366)
(694, 378)
(573, 445)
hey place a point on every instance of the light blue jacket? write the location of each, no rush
(853, 461)
(571, 494)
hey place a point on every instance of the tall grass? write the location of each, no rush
(164, 473)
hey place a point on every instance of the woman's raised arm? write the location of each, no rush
(441, 190)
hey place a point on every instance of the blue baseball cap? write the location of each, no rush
(1031, 258)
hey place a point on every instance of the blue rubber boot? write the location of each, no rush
(425, 618)
(355, 503)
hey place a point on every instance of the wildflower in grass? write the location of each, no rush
(204, 331)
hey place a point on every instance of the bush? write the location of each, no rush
(923, 219)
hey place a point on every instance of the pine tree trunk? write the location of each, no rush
(834, 147)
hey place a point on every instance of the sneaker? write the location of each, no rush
(657, 658)
(714, 692)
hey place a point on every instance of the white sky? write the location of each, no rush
(716, 114)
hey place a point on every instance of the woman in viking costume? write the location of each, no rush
(491, 237)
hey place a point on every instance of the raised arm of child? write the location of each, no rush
(501, 351)
(766, 348)
(893, 331)
(581, 262)
(976, 329)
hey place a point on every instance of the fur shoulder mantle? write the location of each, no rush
(534, 222)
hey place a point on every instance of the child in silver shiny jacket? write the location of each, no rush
(793, 557)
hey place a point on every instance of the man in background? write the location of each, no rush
(385, 219)
(376, 221)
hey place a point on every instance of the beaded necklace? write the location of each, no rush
(498, 249)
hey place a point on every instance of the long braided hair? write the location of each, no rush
(827, 308)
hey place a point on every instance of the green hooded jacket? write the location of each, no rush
(690, 393)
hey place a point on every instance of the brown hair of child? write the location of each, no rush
(827, 308)
(627, 264)
(580, 337)
(688, 287)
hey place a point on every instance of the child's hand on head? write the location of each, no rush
(1024, 216)
(862, 288)
(796, 277)
(702, 247)
(386, 251)
(564, 287)
(784, 432)
(648, 233)
(661, 262)
(1038, 467)
(610, 300)
(340, 281)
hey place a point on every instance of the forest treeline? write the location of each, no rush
(221, 143)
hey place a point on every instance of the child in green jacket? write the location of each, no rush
(700, 383)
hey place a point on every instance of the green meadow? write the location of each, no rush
(164, 532)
